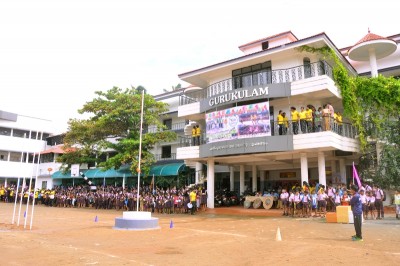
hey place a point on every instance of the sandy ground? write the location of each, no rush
(224, 236)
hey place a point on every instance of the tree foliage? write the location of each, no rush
(373, 106)
(114, 125)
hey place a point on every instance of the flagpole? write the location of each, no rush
(140, 152)
(353, 173)
(34, 199)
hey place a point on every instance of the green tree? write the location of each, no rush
(114, 125)
(174, 88)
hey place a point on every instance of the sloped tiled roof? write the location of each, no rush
(58, 150)
(370, 37)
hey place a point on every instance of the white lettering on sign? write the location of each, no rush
(237, 95)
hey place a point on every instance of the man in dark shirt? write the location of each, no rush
(356, 207)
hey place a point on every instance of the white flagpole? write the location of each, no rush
(29, 193)
(33, 201)
(15, 201)
(140, 152)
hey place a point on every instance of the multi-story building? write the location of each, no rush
(22, 138)
(237, 103)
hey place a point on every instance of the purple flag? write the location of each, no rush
(355, 175)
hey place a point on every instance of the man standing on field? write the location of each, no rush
(356, 207)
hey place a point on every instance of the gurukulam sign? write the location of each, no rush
(236, 95)
(261, 92)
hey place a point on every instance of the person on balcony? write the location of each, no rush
(198, 134)
(326, 117)
(280, 122)
(303, 120)
(285, 123)
(339, 121)
(309, 118)
(194, 136)
(318, 119)
(295, 120)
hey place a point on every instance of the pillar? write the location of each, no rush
(335, 178)
(321, 168)
(241, 179)
(254, 178)
(372, 62)
(210, 183)
(232, 178)
(262, 181)
(304, 167)
(342, 169)
(199, 168)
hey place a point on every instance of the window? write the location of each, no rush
(307, 67)
(3, 155)
(33, 135)
(5, 131)
(20, 133)
(168, 123)
(15, 157)
(44, 184)
(265, 45)
(166, 152)
(259, 74)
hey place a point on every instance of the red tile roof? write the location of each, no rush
(58, 150)
(370, 37)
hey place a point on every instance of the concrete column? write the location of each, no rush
(372, 62)
(232, 178)
(241, 179)
(254, 178)
(321, 168)
(262, 181)
(342, 168)
(304, 167)
(123, 182)
(199, 168)
(210, 183)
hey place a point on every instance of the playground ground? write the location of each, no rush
(223, 236)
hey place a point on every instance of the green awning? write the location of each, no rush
(61, 174)
(171, 169)
(96, 173)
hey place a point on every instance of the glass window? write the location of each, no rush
(15, 156)
(166, 152)
(307, 67)
(3, 155)
(168, 123)
(258, 74)
(5, 131)
(20, 133)
(33, 135)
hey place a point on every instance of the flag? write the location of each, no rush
(171, 224)
(355, 175)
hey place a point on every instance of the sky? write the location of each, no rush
(54, 54)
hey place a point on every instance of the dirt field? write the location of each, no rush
(225, 236)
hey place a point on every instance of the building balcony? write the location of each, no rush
(292, 137)
(262, 78)
(165, 157)
(177, 127)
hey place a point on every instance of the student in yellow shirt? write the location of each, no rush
(193, 198)
(309, 119)
(198, 134)
(303, 122)
(280, 122)
(295, 120)
(285, 123)
(194, 136)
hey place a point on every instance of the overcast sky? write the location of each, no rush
(54, 54)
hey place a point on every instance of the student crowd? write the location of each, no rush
(160, 200)
(306, 201)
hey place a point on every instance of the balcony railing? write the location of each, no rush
(291, 128)
(174, 127)
(164, 157)
(258, 79)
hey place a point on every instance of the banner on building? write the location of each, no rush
(240, 122)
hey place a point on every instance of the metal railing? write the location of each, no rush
(174, 127)
(164, 157)
(258, 79)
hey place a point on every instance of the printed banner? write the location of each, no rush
(240, 122)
